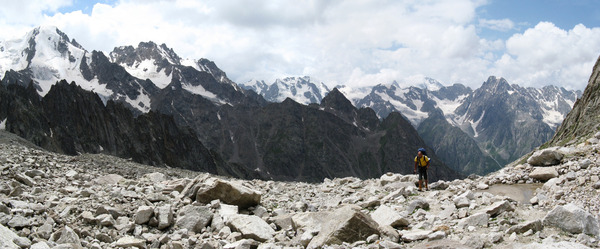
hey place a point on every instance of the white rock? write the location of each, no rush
(543, 173)
(164, 215)
(386, 216)
(498, 208)
(128, 241)
(476, 220)
(40, 245)
(7, 237)
(572, 219)
(436, 235)
(110, 179)
(546, 157)
(143, 214)
(251, 227)
(585, 163)
(193, 218)
(228, 192)
(411, 236)
(461, 201)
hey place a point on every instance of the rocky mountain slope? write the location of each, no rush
(526, 117)
(71, 120)
(235, 127)
(51, 200)
(584, 119)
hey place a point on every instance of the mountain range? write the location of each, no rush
(146, 103)
(473, 131)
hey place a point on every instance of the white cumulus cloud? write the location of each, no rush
(355, 43)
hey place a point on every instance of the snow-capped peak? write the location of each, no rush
(303, 89)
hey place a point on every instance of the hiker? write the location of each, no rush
(422, 165)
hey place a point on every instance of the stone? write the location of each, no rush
(546, 157)
(22, 242)
(22, 178)
(461, 201)
(482, 186)
(66, 235)
(346, 224)
(499, 207)
(418, 203)
(35, 172)
(412, 236)
(164, 216)
(19, 221)
(106, 220)
(570, 218)
(44, 231)
(155, 177)
(284, 222)
(390, 245)
(251, 227)
(4, 209)
(128, 241)
(193, 218)
(389, 233)
(386, 216)
(371, 239)
(143, 214)
(475, 220)
(535, 225)
(40, 245)
(113, 211)
(596, 185)
(242, 244)
(7, 238)
(571, 176)
(110, 179)
(585, 163)
(439, 185)
(543, 173)
(436, 235)
(228, 192)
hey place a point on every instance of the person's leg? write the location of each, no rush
(425, 179)
(420, 183)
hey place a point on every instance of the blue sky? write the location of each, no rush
(356, 43)
(565, 14)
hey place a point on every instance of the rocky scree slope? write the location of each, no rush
(50, 200)
(584, 119)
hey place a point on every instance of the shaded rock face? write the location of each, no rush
(70, 120)
(583, 120)
(457, 149)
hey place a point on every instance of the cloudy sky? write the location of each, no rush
(357, 43)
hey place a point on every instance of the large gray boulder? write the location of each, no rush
(543, 173)
(572, 219)
(546, 157)
(386, 216)
(6, 238)
(346, 224)
(228, 192)
(251, 227)
(193, 218)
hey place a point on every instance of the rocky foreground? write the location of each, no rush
(50, 200)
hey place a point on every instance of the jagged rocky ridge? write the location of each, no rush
(71, 120)
(275, 141)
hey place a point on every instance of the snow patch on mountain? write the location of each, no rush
(147, 69)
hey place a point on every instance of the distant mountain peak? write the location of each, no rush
(303, 89)
(337, 100)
